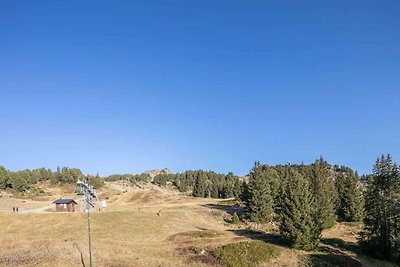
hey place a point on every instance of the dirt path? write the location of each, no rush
(38, 210)
(7, 204)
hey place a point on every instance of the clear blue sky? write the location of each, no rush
(126, 86)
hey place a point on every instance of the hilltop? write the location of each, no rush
(153, 173)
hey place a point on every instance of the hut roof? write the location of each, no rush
(64, 201)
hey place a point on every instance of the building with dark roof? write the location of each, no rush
(65, 205)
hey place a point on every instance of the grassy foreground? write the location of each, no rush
(157, 227)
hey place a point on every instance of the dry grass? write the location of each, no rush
(127, 234)
(130, 233)
(6, 204)
(346, 232)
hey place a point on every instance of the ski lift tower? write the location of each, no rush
(88, 196)
(88, 201)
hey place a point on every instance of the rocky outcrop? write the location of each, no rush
(155, 172)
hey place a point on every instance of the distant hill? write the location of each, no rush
(155, 172)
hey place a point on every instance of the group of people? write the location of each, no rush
(15, 209)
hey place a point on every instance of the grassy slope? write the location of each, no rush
(130, 233)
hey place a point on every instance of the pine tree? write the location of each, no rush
(350, 198)
(227, 189)
(214, 190)
(200, 187)
(340, 183)
(260, 202)
(306, 171)
(274, 181)
(381, 233)
(297, 226)
(244, 192)
(182, 182)
(236, 188)
(324, 191)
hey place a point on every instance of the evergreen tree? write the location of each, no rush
(275, 182)
(214, 190)
(324, 191)
(350, 198)
(260, 202)
(306, 171)
(281, 170)
(381, 233)
(244, 192)
(297, 225)
(227, 190)
(200, 187)
(236, 188)
(182, 182)
(340, 183)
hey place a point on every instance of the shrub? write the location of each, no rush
(245, 254)
(235, 218)
(196, 250)
(206, 234)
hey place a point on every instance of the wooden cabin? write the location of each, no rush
(65, 205)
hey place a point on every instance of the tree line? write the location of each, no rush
(24, 180)
(203, 183)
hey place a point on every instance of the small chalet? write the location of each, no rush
(65, 205)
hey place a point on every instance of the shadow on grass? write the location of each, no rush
(331, 260)
(272, 238)
(230, 209)
(332, 245)
(331, 253)
(341, 244)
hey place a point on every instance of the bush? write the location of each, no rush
(245, 254)
(196, 250)
(235, 218)
(206, 234)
